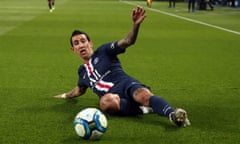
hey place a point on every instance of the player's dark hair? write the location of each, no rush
(78, 32)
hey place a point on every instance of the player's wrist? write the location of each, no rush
(64, 96)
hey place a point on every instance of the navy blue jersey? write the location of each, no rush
(104, 74)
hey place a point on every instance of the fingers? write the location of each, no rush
(57, 96)
(139, 11)
(138, 15)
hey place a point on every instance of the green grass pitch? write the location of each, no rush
(192, 64)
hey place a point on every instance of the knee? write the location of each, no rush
(110, 103)
(142, 96)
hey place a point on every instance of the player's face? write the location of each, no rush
(82, 47)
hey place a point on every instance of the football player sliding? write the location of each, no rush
(119, 93)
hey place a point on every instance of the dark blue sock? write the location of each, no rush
(124, 107)
(160, 106)
(127, 108)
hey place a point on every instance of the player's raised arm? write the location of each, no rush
(138, 15)
(77, 91)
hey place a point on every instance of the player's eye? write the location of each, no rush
(83, 41)
(75, 42)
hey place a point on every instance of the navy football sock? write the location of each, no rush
(50, 6)
(160, 106)
(126, 108)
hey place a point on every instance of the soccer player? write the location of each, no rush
(191, 5)
(118, 92)
(149, 3)
(172, 3)
(51, 4)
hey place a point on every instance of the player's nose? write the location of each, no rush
(80, 46)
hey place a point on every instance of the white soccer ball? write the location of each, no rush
(90, 123)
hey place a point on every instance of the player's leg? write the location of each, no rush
(193, 5)
(189, 5)
(110, 103)
(114, 104)
(149, 3)
(145, 97)
(50, 5)
(53, 4)
(174, 2)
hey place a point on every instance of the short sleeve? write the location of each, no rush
(81, 75)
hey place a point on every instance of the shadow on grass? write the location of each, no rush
(150, 120)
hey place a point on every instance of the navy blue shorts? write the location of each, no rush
(127, 87)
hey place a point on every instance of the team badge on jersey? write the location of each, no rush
(96, 60)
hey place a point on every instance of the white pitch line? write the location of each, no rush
(187, 19)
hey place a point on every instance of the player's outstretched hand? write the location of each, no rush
(138, 15)
(60, 96)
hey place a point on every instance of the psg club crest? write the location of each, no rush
(96, 60)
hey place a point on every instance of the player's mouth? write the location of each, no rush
(83, 52)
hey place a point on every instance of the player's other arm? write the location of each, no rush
(138, 15)
(75, 92)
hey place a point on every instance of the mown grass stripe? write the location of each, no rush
(187, 19)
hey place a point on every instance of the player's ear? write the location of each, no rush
(72, 49)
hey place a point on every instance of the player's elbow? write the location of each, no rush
(131, 41)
